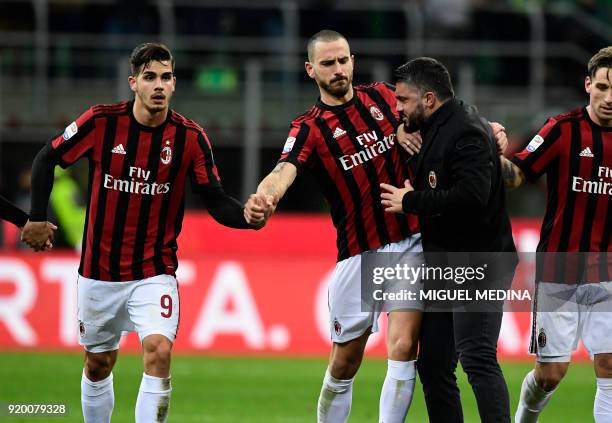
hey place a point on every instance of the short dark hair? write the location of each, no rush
(325, 35)
(426, 74)
(602, 59)
(146, 53)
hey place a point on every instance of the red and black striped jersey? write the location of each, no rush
(350, 150)
(575, 154)
(136, 188)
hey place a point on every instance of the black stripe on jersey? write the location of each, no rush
(338, 212)
(591, 206)
(552, 182)
(107, 146)
(366, 116)
(570, 202)
(351, 184)
(179, 147)
(123, 202)
(145, 207)
(84, 239)
(385, 108)
(370, 171)
(300, 140)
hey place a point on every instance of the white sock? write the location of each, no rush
(335, 400)
(396, 394)
(532, 401)
(97, 399)
(603, 401)
(153, 399)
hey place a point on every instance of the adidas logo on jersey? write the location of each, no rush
(118, 149)
(339, 132)
(587, 153)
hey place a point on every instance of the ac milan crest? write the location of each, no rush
(432, 179)
(337, 327)
(542, 338)
(166, 154)
(376, 113)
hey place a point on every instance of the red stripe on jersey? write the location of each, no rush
(585, 170)
(112, 197)
(134, 204)
(175, 194)
(96, 184)
(561, 188)
(361, 178)
(331, 168)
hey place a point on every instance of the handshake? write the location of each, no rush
(258, 209)
(38, 235)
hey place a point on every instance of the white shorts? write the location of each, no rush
(106, 309)
(567, 314)
(347, 321)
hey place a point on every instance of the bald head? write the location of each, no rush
(326, 35)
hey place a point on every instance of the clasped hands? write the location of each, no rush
(258, 209)
(38, 235)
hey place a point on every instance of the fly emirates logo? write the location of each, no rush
(603, 186)
(137, 184)
(372, 147)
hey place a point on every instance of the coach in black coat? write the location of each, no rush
(459, 197)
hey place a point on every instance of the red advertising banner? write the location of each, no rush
(242, 292)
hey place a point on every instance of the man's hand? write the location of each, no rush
(258, 208)
(411, 142)
(38, 235)
(392, 198)
(500, 136)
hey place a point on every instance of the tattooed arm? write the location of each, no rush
(278, 181)
(513, 176)
(271, 189)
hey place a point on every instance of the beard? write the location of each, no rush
(414, 122)
(337, 87)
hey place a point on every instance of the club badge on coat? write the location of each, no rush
(432, 179)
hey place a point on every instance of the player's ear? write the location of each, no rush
(173, 83)
(309, 69)
(587, 84)
(132, 82)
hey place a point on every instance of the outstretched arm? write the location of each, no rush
(269, 192)
(278, 181)
(37, 232)
(512, 174)
(12, 213)
(225, 209)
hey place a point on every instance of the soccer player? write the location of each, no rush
(574, 151)
(141, 154)
(347, 141)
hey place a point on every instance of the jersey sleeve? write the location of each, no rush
(203, 171)
(536, 157)
(299, 146)
(77, 140)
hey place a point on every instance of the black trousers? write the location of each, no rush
(471, 338)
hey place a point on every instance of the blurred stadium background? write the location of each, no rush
(253, 336)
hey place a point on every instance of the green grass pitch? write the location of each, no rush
(238, 389)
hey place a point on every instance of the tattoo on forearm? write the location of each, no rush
(511, 174)
(278, 167)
